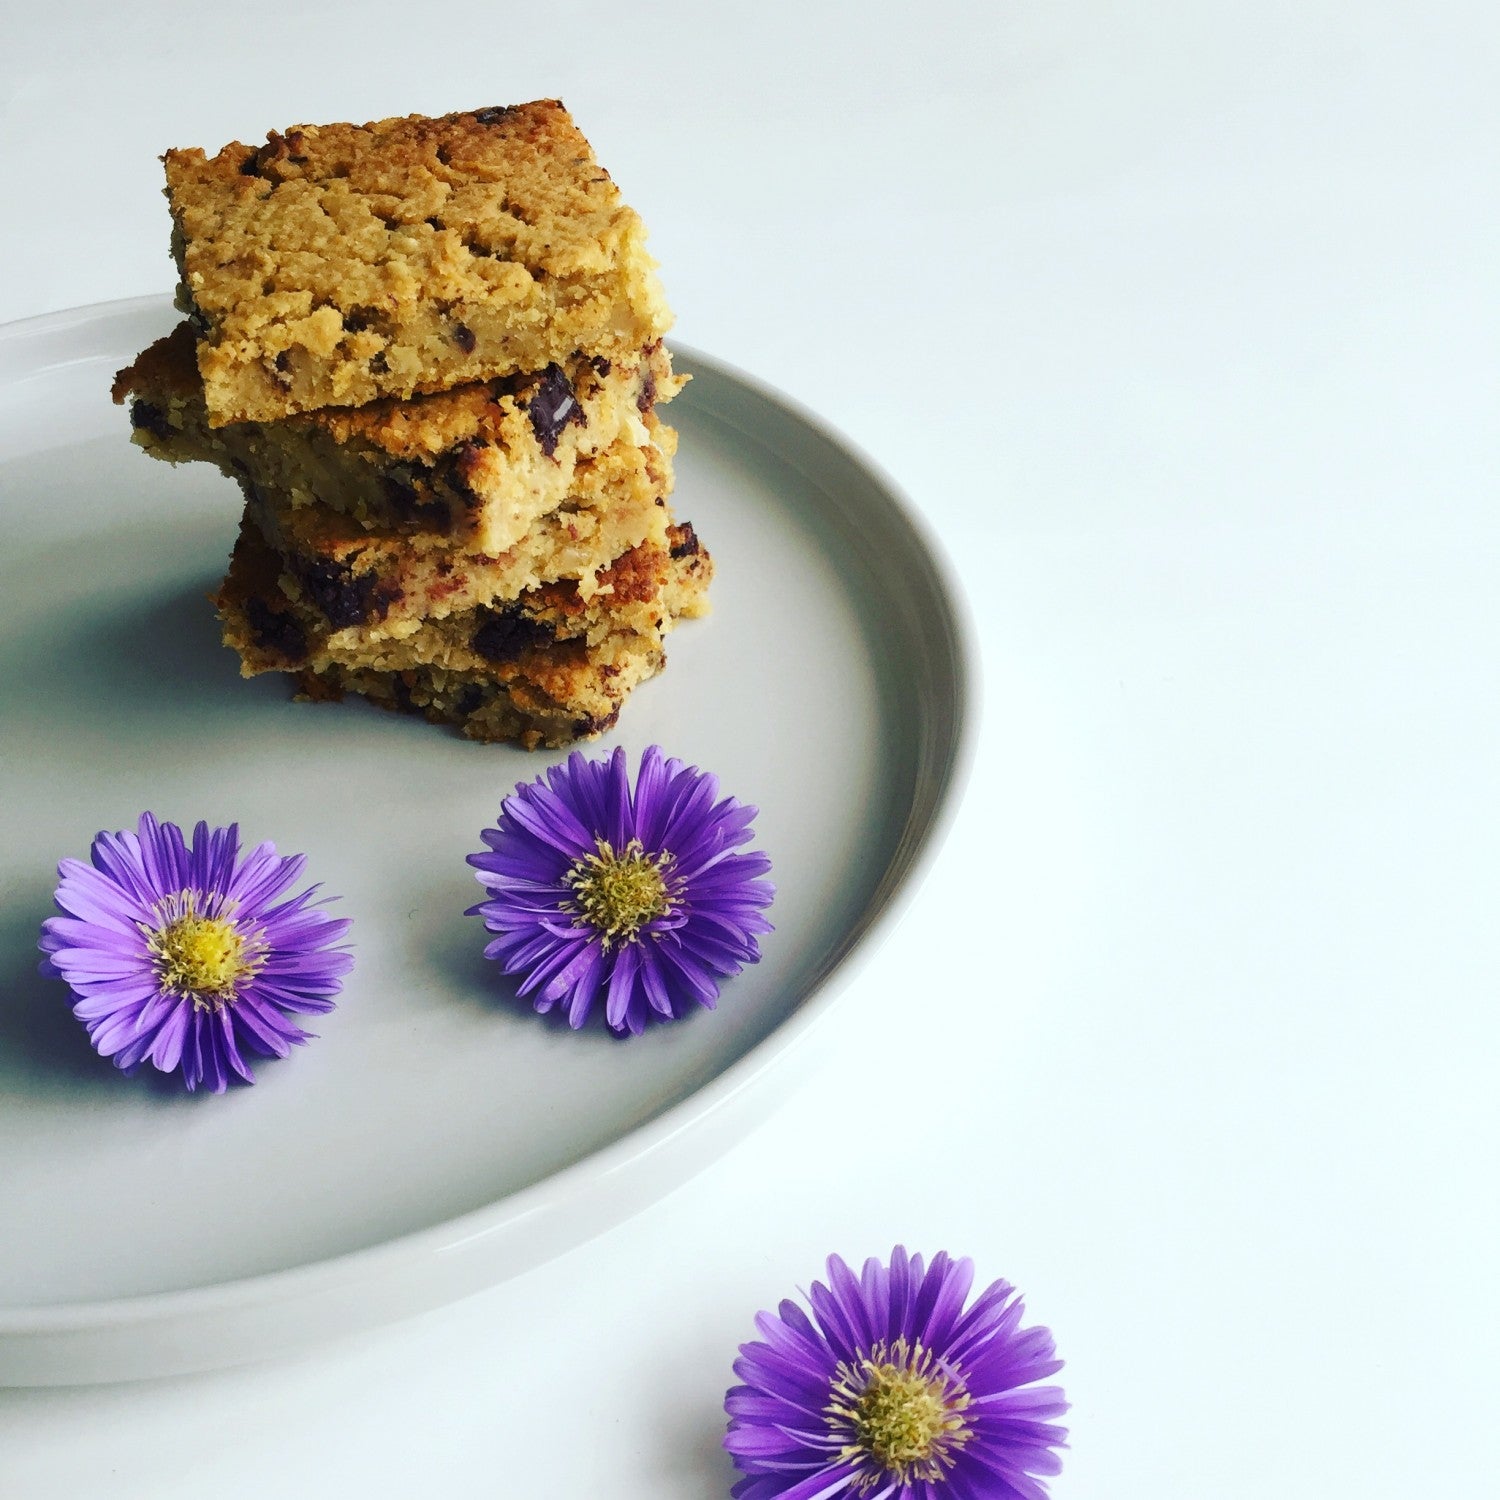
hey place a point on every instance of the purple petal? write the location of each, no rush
(619, 1012)
(674, 961)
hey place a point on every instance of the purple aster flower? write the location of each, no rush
(187, 956)
(892, 1390)
(595, 886)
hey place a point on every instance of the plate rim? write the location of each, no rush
(643, 1145)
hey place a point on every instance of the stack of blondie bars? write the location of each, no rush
(429, 351)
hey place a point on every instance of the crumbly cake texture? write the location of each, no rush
(644, 592)
(429, 352)
(556, 699)
(479, 464)
(389, 585)
(547, 669)
(338, 264)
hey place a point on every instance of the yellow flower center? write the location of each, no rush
(902, 1409)
(618, 894)
(204, 958)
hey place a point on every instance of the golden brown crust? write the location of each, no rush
(424, 425)
(168, 367)
(340, 263)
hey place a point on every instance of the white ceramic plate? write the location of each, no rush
(438, 1136)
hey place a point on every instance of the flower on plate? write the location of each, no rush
(636, 893)
(187, 956)
(892, 1390)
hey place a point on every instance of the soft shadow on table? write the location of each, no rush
(45, 1052)
(42, 1046)
(697, 1445)
(168, 645)
(94, 680)
(453, 946)
(121, 662)
(456, 951)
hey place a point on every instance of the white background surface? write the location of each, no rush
(1180, 322)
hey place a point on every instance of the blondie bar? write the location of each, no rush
(389, 583)
(338, 264)
(544, 669)
(481, 463)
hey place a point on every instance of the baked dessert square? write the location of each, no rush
(545, 669)
(388, 584)
(276, 629)
(339, 264)
(481, 463)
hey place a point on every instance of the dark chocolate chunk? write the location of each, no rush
(342, 596)
(684, 540)
(152, 418)
(470, 700)
(552, 407)
(601, 365)
(408, 506)
(274, 631)
(459, 469)
(463, 336)
(494, 114)
(596, 723)
(505, 633)
(647, 398)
